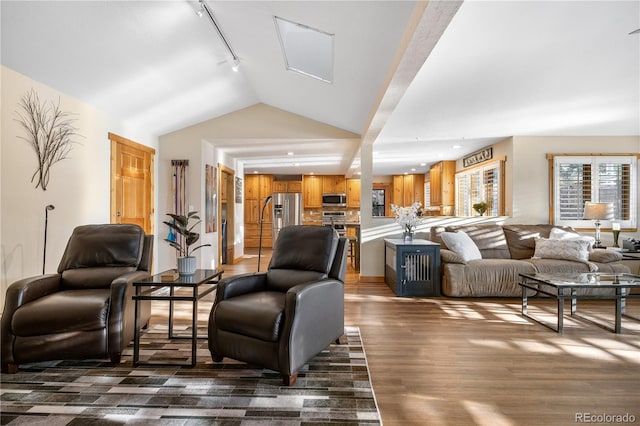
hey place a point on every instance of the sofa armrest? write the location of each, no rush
(241, 284)
(605, 256)
(448, 256)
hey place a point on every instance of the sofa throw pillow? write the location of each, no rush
(561, 234)
(462, 244)
(576, 250)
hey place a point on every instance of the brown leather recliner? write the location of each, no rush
(85, 311)
(282, 318)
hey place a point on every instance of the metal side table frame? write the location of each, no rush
(562, 288)
(153, 288)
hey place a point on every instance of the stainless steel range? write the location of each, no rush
(336, 219)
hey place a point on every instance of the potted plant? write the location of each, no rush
(480, 207)
(184, 228)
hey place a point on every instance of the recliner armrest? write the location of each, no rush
(241, 284)
(123, 285)
(311, 309)
(29, 289)
(122, 308)
(19, 293)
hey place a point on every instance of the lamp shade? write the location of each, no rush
(598, 211)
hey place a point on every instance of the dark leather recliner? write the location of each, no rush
(85, 311)
(282, 318)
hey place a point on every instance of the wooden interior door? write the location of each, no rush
(226, 211)
(131, 183)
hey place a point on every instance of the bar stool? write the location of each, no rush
(351, 254)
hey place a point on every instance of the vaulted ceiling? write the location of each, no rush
(500, 68)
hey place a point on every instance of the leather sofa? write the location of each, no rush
(281, 318)
(507, 251)
(85, 311)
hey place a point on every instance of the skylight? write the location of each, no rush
(306, 50)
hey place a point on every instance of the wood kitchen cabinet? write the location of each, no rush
(256, 190)
(334, 184)
(407, 189)
(312, 192)
(442, 178)
(287, 186)
(353, 193)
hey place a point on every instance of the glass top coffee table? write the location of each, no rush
(582, 286)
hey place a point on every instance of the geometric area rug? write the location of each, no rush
(334, 387)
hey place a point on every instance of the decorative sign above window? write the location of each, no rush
(477, 157)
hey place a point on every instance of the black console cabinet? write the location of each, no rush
(412, 268)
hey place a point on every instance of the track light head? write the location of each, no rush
(200, 11)
(236, 65)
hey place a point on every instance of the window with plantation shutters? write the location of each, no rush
(482, 183)
(600, 179)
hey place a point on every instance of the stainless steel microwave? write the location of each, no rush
(334, 200)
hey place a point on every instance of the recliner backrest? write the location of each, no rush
(339, 266)
(301, 253)
(96, 254)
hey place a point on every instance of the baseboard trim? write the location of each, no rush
(364, 279)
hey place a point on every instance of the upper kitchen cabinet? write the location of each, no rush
(334, 184)
(407, 189)
(442, 178)
(287, 186)
(353, 193)
(312, 192)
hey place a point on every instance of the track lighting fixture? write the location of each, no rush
(204, 9)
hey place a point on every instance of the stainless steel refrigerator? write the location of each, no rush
(287, 210)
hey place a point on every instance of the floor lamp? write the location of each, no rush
(267, 201)
(46, 222)
(598, 212)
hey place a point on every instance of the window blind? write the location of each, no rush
(601, 179)
(479, 184)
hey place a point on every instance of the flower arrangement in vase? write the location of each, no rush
(181, 225)
(408, 218)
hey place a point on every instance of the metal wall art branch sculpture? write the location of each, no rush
(50, 132)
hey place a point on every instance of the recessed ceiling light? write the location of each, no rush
(413, 169)
(289, 153)
(255, 172)
(312, 173)
(296, 164)
(406, 173)
(423, 164)
(457, 146)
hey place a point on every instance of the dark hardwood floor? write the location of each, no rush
(444, 361)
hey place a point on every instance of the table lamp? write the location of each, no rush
(598, 212)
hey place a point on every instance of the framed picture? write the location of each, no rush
(238, 190)
(211, 204)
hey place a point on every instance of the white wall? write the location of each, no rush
(531, 170)
(200, 145)
(79, 187)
